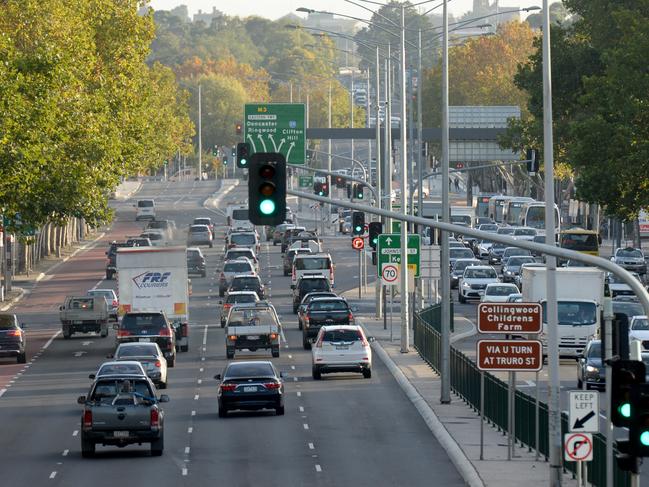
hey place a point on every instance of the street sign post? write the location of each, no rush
(389, 252)
(509, 318)
(276, 127)
(510, 355)
(578, 447)
(391, 274)
(584, 412)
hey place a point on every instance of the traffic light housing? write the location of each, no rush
(374, 229)
(325, 189)
(625, 459)
(349, 190)
(532, 157)
(243, 154)
(340, 182)
(358, 223)
(317, 188)
(215, 150)
(225, 160)
(639, 429)
(267, 188)
(358, 191)
(626, 375)
(238, 128)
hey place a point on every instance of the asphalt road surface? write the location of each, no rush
(344, 430)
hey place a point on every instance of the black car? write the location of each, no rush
(307, 284)
(249, 282)
(628, 306)
(196, 262)
(111, 255)
(590, 370)
(324, 312)
(288, 235)
(12, 338)
(496, 253)
(149, 327)
(250, 386)
(306, 300)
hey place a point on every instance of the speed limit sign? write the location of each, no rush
(390, 274)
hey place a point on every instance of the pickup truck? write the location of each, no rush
(252, 326)
(122, 410)
(324, 312)
(83, 314)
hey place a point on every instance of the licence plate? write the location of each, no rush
(250, 389)
(120, 434)
(253, 337)
(342, 347)
(145, 339)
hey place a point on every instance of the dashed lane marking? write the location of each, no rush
(65, 453)
(187, 450)
(53, 474)
(196, 397)
(301, 409)
(75, 433)
(299, 394)
(318, 468)
(190, 430)
(311, 446)
(306, 426)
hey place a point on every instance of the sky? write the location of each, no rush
(274, 9)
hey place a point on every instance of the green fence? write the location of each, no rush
(465, 382)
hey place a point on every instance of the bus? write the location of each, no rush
(482, 206)
(512, 209)
(580, 240)
(496, 207)
(532, 214)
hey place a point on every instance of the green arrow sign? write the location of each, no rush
(389, 251)
(276, 127)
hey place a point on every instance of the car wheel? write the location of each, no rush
(275, 352)
(87, 448)
(315, 372)
(162, 385)
(66, 334)
(223, 412)
(104, 333)
(285, 273)
(367, 373)
(294, 309)
(461, 298)
(274, 244)
(184, 348)
(306, 344)
(211, 245)
(221, 293)
(299, 325)
(579, 384)
(229, 354)
(21, 359)
(157, 446)
(279, 411)
(204, 274)
(109, 276)
(171, 361)
(223, 324)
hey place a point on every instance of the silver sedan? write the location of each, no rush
(150, 356)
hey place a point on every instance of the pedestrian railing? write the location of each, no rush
(465, 382)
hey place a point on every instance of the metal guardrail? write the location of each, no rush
(465, 382)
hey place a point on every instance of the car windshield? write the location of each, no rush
(199, 229)
(161, 224)
(498, 247)
(518, 261)
(239, 267)
(193, 254)
(574, 313)
(627, 308)
(148, 323)
(501, 290)
(342, 335)
(314, 284)
(236, 254)
(489, 227)
(241, 298)
(120, 368)
(242, 238)
(202, 221)
(579, 241)
(7, 322)
(145, 204)
(251, 317)
(460, 265)
(525, 231)
(312, 263)
(104, 294)
(241, 214)
(153, 236)
(328, 306)
(460, 253)
(595, 350)
(509, 251)
(480, 273)
(241, 371)
(106, 390)
(640, 324)
(633, 253)
(139, 350)
(245, 283)
(505, 230)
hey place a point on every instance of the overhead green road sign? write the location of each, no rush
(389, 251)
(305, 181)
(276, 127)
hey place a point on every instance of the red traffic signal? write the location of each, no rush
(238, 127)
(358, 243)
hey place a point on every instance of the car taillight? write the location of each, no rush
(350, 318)
(232, 338)
(331, 274)
(273, 336)
(115, 303)
(307, 320)
(227, 306)
(293, 274)
(222, 276)
(157, 363)
(184, 329)
(165, 332)
(228, 387)
(155, 418)
(272, 385)
(87, 418)
(123, 333)
(14, 333)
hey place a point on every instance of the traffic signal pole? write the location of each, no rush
(608, 353)
(405, 185)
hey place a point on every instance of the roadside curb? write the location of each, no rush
(215, 200)
(15, 299)
(466, 334)
(461, 462)
(125, 196)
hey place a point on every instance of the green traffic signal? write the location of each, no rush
(625, 410)
(267, 207)
(644, 438)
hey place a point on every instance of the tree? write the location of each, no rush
(559, 15)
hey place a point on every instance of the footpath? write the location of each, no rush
(456, 426)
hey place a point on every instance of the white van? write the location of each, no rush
(145, 209)
(237, 216)
(312, 264)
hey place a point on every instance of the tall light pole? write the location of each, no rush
(554, 411)
(200, 135)
(378, 290)
(405, 314)
(444, 258)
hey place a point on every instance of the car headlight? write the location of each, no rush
(466, 284)
(590, 368)
(509, 273)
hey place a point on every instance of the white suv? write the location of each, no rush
(342, 348)
(145, 210)
(474, 281)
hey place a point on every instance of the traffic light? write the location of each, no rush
(639, 429)
(234, 152)
(358, 223)
(532, 157)
(626, 461)
(340, 182)
(325, 189)
(243, 154)
(358, 191)
(317, 188)
(349, 190)
(267, 188)
(215, 150)
(238, 128)
(626, 375)
(374, 229)
(225, 160)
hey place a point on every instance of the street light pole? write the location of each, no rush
(444, 258)
(405, 311)
(387, 163)
(200, 136)
(378, 289)
(420, 168)
(554, 411)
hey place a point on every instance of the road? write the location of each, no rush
(344, 430)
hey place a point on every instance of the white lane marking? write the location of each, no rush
(204, 336)
(65, 453)
(200, 381)
(290, 356)
(75, 433)
(202, 359)
(190, 430)
(184, 471)
(301, 409)
(201, 369)
(306, 426)
(294, 379)
(311, 447)
(318, 468)
(53, 474)
(85, 344)
(293, 367)
(186, 450)
(193, 413)
(49, 342)
(299, 394)
(76, 354)
(196, 397)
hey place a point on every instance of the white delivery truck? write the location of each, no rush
(580, 293)
(155, 279)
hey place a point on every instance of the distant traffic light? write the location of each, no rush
(340, 182)
(234, 152)
(325, 189)
(215, 150)
(238, 128)
(225, 160)
(532, 157)
(639, 429)
(317, 188)
(267, 188)
(349, 190)
(358, 223)
(374, 229)
(358, 191)
(243, 154)
(626, 375)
